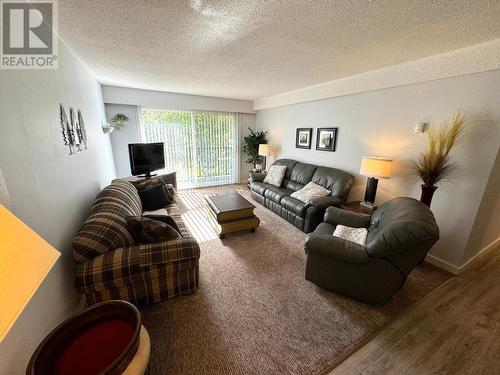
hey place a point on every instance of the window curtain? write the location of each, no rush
(202, 147)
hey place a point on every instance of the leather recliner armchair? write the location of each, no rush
(400, 233)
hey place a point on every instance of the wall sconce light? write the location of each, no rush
(420, 127)
(107, 128)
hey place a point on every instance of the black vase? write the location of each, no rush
(427, 193)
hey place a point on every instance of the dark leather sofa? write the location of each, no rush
(305, 216)
(400, 233)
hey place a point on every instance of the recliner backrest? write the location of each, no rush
(300, 176)
(401, 224)
(289, 164)
(336, 180)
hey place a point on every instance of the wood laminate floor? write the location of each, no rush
(454, 330)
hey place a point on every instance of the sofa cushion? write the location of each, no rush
(174, 212)
(260, 187)
(275, 175)
(120, 197)
(335, 180)
(302, 173)
(311, 190)
(276, 194)
(294, 205)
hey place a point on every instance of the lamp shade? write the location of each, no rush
(25, 261)
(264, 149)
(376, 167)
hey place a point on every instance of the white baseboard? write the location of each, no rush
(435, 261)
(456, 270)
(481, 252)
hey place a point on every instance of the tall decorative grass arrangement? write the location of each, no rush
(435, 166)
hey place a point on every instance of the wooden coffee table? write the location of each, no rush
(232, 212)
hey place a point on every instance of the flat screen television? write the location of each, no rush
(146, 158)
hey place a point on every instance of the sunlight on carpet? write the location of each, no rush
(198, 218)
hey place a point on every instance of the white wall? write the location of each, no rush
(382, 123)
(170, 100)
(50, 190)
(121, 138)
(486, 229)
(131, 134)
(245, 121)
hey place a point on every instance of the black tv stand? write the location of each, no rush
(168, 178)
(147, 175)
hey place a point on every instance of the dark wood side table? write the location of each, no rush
(357, 207)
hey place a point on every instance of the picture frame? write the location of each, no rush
(303, 138)
(326, 139)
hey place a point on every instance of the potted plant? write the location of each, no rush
(251, 146)
(434, 165)
(119, 120)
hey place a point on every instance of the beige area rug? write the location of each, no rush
(254, 312)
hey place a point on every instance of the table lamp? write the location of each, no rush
(25, 261)
(374, 168)
(264, 150)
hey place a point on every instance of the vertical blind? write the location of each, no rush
(202, 147)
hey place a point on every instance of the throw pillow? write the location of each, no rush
(357, 235)
(150, 182)
(155, 197)
(146, 230)
(164, 219)
(311, 190)
(275, 175)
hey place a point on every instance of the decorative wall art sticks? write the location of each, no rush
(74, 133)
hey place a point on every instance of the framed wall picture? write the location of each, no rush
(303, 138)
(326, 139)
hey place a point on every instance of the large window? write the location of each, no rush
(202, 147)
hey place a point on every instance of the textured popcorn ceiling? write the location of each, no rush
(249, 49)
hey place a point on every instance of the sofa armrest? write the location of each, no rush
(335, 247)
(256, 176)
(351, 219)
(324, 202)
(177, 249)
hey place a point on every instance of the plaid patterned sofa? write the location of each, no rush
(110, 265)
